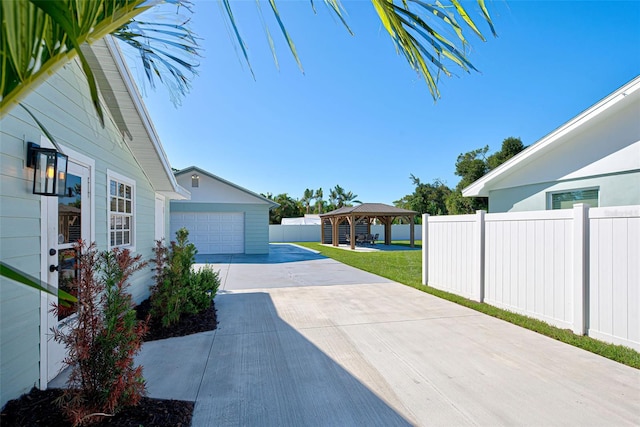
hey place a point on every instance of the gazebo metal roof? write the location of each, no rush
(384, 213)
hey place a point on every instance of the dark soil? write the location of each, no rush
(37, 408)
(189, 324)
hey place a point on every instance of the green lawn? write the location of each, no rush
(406, 267)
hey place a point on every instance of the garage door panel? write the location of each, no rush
(212, 233)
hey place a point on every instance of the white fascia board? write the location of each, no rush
(127, 78)
(480, 188)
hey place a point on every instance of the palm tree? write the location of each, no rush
(343, 198)
(319, 201)
(306, 200)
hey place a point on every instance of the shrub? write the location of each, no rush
(178, 289)
(204, 286)
(104, 338)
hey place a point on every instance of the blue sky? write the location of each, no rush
(360, 117)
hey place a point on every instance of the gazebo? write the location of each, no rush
(367, 212)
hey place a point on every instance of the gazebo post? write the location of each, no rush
(387, 230)
(333, 231)
(412, 230)
(338, 230)
(322, 232)
(352, 231)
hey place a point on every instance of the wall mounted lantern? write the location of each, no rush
(49, 170)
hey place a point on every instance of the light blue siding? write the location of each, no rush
(62, 104)
(256, 221)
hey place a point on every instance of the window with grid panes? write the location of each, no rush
(120, 213)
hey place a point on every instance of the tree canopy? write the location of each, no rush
(438, 199)
(311, 202)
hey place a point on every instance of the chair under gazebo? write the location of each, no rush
(364, 215)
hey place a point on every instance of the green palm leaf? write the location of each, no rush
(40, 36)
(65, 299)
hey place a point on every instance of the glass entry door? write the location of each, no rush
(69, 232)
(68, 220)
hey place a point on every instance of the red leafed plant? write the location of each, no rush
(104, 337)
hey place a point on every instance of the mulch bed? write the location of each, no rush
(37, 408)
(189, 324)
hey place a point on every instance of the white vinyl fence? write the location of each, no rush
(577, 268)
(311, 233)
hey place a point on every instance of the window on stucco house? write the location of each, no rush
(566, 199)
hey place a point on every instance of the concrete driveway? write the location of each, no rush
(311, 342)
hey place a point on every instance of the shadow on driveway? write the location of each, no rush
(263, 372)
(278, 254)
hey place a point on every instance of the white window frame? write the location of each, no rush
(570, 190)
(115, 176)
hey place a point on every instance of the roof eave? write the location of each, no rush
(481, 187)
(166, 184)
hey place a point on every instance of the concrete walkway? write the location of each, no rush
(313, 342)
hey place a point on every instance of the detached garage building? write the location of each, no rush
(222, 217)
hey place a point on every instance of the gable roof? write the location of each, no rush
(370, 209)
(625, 95)
(191, 169)
(125, 105)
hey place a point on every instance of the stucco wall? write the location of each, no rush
(614, 190)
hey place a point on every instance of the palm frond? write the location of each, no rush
(40, 36)
(168, 53)
(12, 273)
(419, 30)
(425, 48)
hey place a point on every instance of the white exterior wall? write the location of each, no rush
(294, 233)
(577, 269)
(311, 233)
(63, 105)
(211, 190)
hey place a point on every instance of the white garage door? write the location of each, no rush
(212, 233)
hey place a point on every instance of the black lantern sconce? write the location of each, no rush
(49, 170)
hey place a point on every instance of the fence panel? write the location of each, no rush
(528, 264)
(614, 275)
(451, 253)
(294, 233)
(311, 233)
(577, 268)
